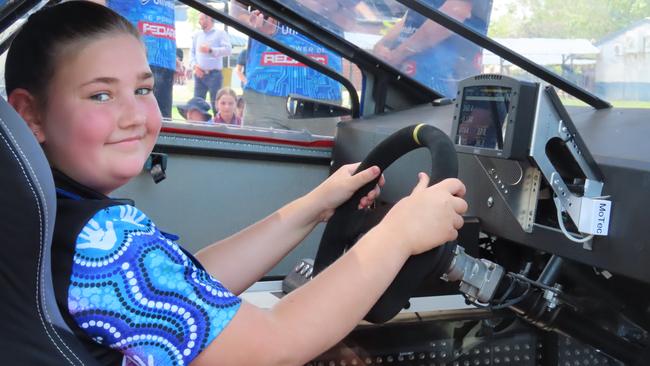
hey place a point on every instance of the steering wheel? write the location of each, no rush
(348, 222)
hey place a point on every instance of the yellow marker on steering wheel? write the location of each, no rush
(415, 133)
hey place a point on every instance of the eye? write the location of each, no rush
(101, 97)
(143, 91)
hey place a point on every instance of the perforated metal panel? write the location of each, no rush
(574, 353)
(459, 342)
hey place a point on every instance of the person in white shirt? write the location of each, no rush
(209, 46)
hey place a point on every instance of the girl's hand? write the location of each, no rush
(427, 218)
(341, 185)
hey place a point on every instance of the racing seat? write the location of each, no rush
(32, 331)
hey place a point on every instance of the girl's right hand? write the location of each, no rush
(429, 216)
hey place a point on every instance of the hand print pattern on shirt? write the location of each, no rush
(136, 291)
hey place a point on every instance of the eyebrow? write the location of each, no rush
(110, 80)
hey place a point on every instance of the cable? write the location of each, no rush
(560, 220)
(533, 282)
(501, 303)
(514, 301)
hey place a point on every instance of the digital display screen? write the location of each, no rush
(483, 118)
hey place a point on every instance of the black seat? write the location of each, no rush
(32, 330)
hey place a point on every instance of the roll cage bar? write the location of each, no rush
(11, 13)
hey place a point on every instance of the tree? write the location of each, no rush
(568, 19)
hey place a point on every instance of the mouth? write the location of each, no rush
(127, 140)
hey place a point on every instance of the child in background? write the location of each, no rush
(128, 289)
(226, 103)
(195, 110)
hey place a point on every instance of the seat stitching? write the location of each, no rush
(40, 282)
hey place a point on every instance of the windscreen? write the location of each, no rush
(405, 39)
(599, 46)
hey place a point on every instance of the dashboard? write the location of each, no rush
(493, 133)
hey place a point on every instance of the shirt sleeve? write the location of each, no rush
(223, 46)
(242, 58)
(193, 51)
(134, 290)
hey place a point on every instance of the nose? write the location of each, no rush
(134, 112)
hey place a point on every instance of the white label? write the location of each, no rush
(596, 216)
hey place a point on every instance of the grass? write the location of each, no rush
(616, 103)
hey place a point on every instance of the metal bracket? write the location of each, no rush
(518, 184)
(553, 122)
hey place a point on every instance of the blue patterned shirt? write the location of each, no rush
(136, 291)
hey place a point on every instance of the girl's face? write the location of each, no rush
(226, 105)
(101, 118)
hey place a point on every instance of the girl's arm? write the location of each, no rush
(317, 315)
(243, 258)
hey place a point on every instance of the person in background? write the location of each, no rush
(155, 22)
(429, 52)
(209, 47)
(271, 76)
(179, 76)
(226, 102)
(241, 106)
(240, 70)
(196, 109)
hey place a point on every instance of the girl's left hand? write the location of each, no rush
(341, 185)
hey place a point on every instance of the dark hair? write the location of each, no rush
(35, 52)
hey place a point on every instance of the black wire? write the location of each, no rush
(514, 301)
(507, 293)
(500, 303)
(536, 283)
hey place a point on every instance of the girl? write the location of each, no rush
(125, 286)
(226, 103)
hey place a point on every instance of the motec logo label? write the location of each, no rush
(157, 30)
(280, 59)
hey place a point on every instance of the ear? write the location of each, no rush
(28, 108)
